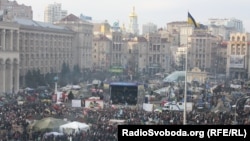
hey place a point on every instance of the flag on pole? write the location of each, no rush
(192, 21)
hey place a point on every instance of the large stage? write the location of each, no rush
(124, 93)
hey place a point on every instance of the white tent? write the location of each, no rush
(96, 82)
(165, 90)
(74, 126)
(53, 133)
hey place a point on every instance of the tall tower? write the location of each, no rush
(54, 13)
(133, 25)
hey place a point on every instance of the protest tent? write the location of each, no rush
(74, 126)
(53, 133)
(48, 124)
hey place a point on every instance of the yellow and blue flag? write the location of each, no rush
(192, 21)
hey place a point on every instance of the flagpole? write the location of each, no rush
(185, 89)
(185, 85)
(193, 22)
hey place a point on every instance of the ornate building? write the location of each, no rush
(238, 56)
(9, 57)
(43, 47)
(82, 41)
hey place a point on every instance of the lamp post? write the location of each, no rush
(185, 90)
(236, 103)
(56, 79)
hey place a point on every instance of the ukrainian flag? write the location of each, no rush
(192, 21)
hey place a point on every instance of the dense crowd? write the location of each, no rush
(15, 119)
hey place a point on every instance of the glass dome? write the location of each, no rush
(175, 77)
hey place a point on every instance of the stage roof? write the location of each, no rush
(123, 84)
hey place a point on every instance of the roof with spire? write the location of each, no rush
(71, 17)
(133, 14)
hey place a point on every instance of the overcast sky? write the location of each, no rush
(158, 12)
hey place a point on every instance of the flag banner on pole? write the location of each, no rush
(191, 20)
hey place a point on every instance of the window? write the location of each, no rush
(150, 59)
(243, 38)
(238, 38)
(158, 48)
(233, 38)
(129, 51)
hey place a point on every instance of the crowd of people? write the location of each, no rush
(15, 119)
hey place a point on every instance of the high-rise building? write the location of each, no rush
(133, 23)
(53, 13)
(232, 22)
(224, 27)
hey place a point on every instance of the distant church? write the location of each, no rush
(133, 24)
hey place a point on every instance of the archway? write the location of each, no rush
(15, 76)
(2, 76)
(8, 76)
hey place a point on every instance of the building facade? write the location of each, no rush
(180, 58)
(201, 50)
(136, 54)
(11, 9)
(117, 55)
(159, 53)
(9, 58)
(82, 40)
(28, 45)
(238, 56)
(43, 47)
(179, 31)
(221, 58)
(101, 52)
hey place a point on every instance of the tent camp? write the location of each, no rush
(74, 126)
(47, 124)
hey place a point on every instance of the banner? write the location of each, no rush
(236, 61)
(76, 103)
(94, 104)
(148, 107)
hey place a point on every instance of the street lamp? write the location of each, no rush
(185, 90)
(56, 79)
(236, 103)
